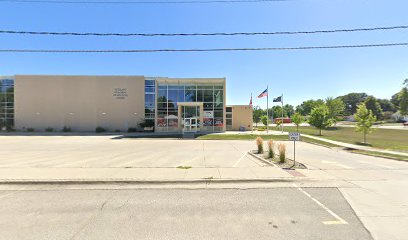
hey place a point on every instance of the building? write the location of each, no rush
(239, 117)
(117, 103)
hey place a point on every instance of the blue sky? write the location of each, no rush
(299, 75)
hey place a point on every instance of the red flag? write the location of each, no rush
(250, 102)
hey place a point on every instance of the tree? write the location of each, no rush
(351, 102)
(256, 115)
(373, 105)
(319, 118)
(403, 97)
(387, 105)
(395, 100)
(288, 110)
(264, 120)
(306, 107)
(405, 82)
(277, 111)
(297, 119)
(365, 120)
(336, 108)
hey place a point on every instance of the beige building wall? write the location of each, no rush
(79, 102)
(241, 117)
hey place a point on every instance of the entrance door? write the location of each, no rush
(190, 125)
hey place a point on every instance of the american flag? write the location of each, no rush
(263, 94)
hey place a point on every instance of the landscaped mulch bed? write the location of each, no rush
(287, 164)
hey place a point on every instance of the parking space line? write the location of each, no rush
(239, 160)
(338, 220)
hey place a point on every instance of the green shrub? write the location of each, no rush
(66, 129)
(282, 152)
(49, 129)
(30, 129)
(132, 129)
(271, 151)
(100, 129)
(259, 144)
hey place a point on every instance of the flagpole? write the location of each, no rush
(282, 110)
(267, 110)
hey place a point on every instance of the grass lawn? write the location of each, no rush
(379, 154)
(392, 139)
(265, 137)
(241, 137)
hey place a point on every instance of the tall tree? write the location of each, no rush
(319, 118)
(306, 107)
(288, 110)
(403, 97)
(373, 105)
(387, 105)
(256, 115)
(405, 82)
(297, 119)
(365, 120)
(352, 100)
(336, 108)
(277, 111)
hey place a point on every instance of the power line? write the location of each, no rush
(200, 34)
(144, 2)
(205, 50)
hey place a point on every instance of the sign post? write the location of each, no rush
(294, 136)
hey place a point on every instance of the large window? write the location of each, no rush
(150, 99)
(212, 96)
(6, 103)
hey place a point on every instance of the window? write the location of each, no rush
(169, 95)
(6, 103)
(150, 99)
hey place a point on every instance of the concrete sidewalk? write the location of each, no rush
(89, 175)
(354, 146)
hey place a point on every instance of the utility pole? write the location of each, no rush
(267, 109)
(282, 110)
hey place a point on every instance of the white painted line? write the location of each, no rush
(239, 160)
(338, 220)
(337, 164)
(378, 165)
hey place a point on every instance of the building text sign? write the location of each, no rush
(120, 93)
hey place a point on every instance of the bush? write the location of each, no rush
(259, 143)
(132, 129)
(66, 129)
(100, 129)
(49, 129)
(117, 130)
(271, 151)
(282, 152)
(30, 129)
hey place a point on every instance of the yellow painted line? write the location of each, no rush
(338, 220)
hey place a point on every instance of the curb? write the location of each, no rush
(261, 159)
(132, 181)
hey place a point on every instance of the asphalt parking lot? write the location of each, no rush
(277, 213)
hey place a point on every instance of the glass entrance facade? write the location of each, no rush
(170, 94)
